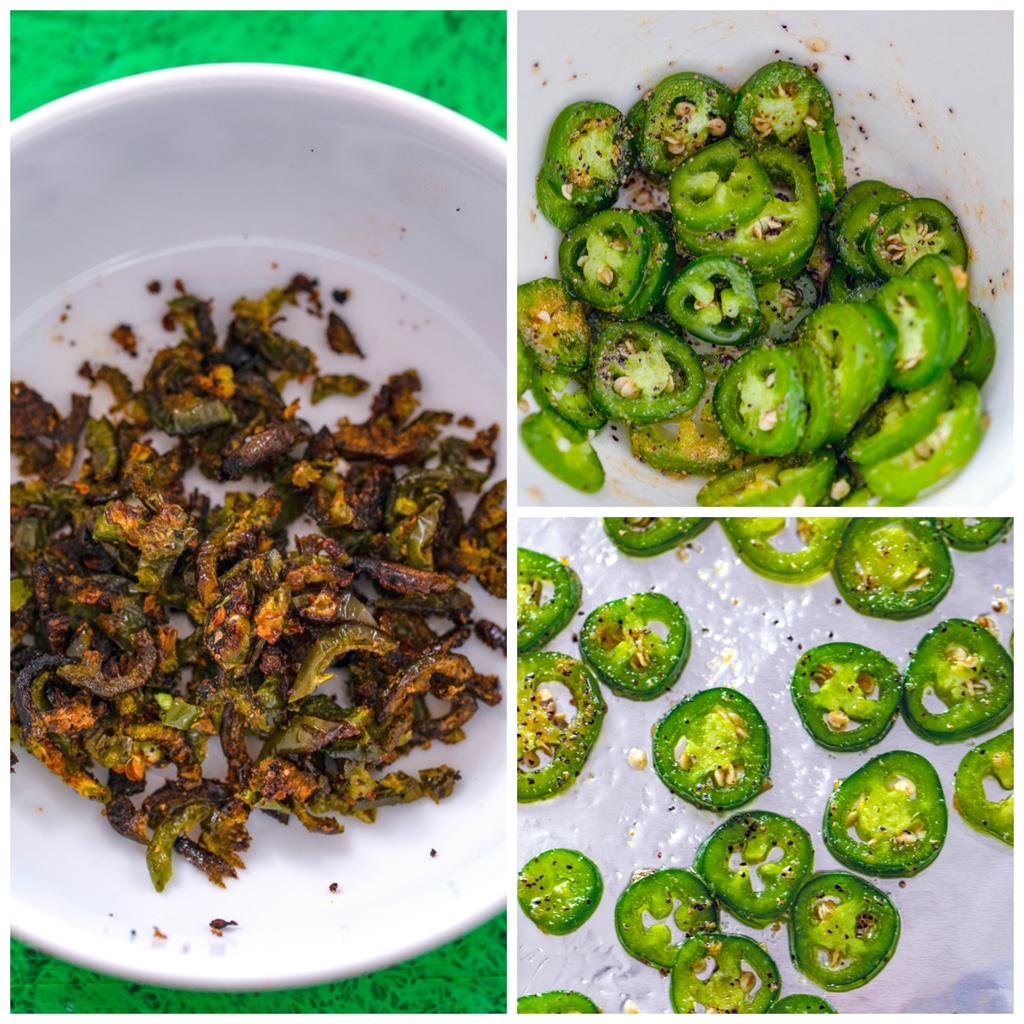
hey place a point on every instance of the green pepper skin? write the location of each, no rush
(802, 1004)
(974, 534)
(656, 894)
(539, 621)
(644, 536)
(918, 310)
(564, 450)
(894, 568)
(714, 298)
(895, 805)
(552, 325)
(538, 726)
(722, 990)
(991, 759)
(979, 354)
(559, 211)
(556, 1002)
(862, 924)
(751, 539)
(629, 657)
(727, 755)
(559, 890)
(838, 685)
(800, 479)
(567, 394)
(961, 664)
(752, 836)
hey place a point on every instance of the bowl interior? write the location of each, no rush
(232, 179)
(903, 118)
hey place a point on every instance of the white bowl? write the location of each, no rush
(924, 102)
(233, 178)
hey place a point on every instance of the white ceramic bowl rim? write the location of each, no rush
(461, 134)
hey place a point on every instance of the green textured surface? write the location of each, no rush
(453, 58)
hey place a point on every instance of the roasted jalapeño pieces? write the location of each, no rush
(959, 682)
(669, 894)
(621, 641)
(895, 568)
(842, 931)
(888, 818)
(552, 742)
(759, 845)
(993, 758)
(559, 890)
(848, 696)
(762, 544)
(712, 749)
(548, 594)
(643, 536)
(724, 974)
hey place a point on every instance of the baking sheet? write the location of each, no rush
(955, 953)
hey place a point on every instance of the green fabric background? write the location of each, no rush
(453, 58)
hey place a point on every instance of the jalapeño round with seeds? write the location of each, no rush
(842, 931)
(553, 744)
(896, 568)
(959, 682)
(670, 894)
(991, 759)
(621, 643)
(724, 974)
(643, 536)
(889, 817)
(762, 543)
(848, 696)
(760, 845)
(559, 890)
(712, 749)
(974, 534)
(548, 594)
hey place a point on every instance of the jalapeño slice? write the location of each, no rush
(559, 890)
(743, 978)
(548, 594)
(755, 864)
(796, 480)
(848, 696)
(889, 817)
(800, 1003)
(763, 544)
(712, 749)
(670, 893)
(559, 1001)
(543, 730)
(959, 682)
(991, 759)
(842, 931)
(714, 298)
(778, 103)
(552, 325)
(564, 450)
(974, 534)
(621, 643)
(651, 535)
(895, 568)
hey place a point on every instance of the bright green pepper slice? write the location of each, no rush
(631, 658)
(991, 759)
(895, 807)
(959, 682)
(658, 894)
(759, 401)
(911, 230)
(752, 539)
(563, 449)
(917, 309)
(794, 480)
(640, 374)
(951, 280)
(896, 568)
(682, 114)
(842, 931)
(769, 846)
(940, 454)
(974, 534)
(567, 393)
(785, 305)
(979, 354)
(559, 1001)
(827, 157)
(643, 536)
(855, 217)
(589, 153)
(559, 890)
(524, 369)
(548, 595)
(552, 325)
(559, 211)
(848, 696)
(566, 736)
(800, 1003)
(778, 103)
(727, 989)
(712, 749)
(714, 299)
